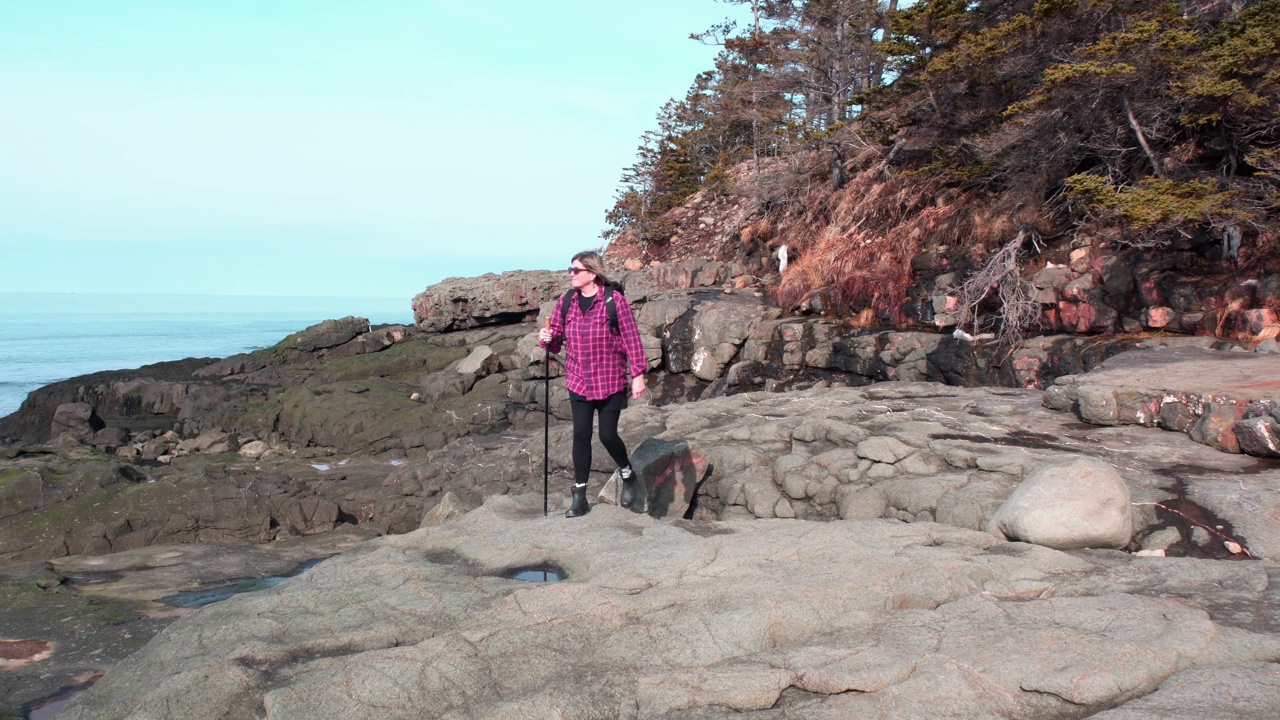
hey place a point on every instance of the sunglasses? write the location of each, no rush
(575, 271)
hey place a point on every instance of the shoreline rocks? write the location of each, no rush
(93, 611)
(658, 619)
(1221, 399)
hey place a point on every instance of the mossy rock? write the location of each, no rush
(405, 361)
(368, 416)
(252, 410)
(88, 633)
(7, 475)
(21, 490)
(29, 489)
(376, 415)
(124, 517)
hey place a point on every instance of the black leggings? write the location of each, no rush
(583, 411)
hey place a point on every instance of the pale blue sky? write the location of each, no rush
(305, 147)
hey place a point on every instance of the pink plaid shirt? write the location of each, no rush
(596, 361)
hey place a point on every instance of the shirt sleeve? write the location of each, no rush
(630, 333)
(557, 329)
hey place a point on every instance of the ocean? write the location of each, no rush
(46, 337)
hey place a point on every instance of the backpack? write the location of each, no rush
(609, 307)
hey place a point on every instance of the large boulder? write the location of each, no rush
(21, 490)
(79, 420)
(953, 362)
(482, 361)
(671, 471)
(1076, 503)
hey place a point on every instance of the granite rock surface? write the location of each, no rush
(747, 618)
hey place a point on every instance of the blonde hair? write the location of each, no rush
(592, 261)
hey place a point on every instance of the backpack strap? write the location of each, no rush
(610, 307)
(565, 300)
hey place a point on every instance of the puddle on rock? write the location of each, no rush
(536, 573)
(207, 596)
(1187, 517)
(50, 707)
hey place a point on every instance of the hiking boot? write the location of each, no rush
(630, 487)
(579, 507)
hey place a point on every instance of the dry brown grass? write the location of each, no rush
(853, 247)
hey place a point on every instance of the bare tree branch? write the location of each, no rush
(1142, 139)
(1019, 311)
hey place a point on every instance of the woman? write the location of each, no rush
(603, 360)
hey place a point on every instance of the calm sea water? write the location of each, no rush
(49, 337)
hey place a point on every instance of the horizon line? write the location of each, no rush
(203, 294)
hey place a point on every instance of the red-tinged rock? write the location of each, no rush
(1026, 370)
(1081, 260)
(1149, 292)
(1160, 317)
(1216, 426)
(670, 471)
(1176, 413)
(1138, 406)
(16, 653)
(1095, 317)
(1052, 319)
(1086, 316)
(1259, 436)
(1068, 314)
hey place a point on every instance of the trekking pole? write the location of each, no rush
(546, 427)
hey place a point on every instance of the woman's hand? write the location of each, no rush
(637, 386)
(544, 335)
